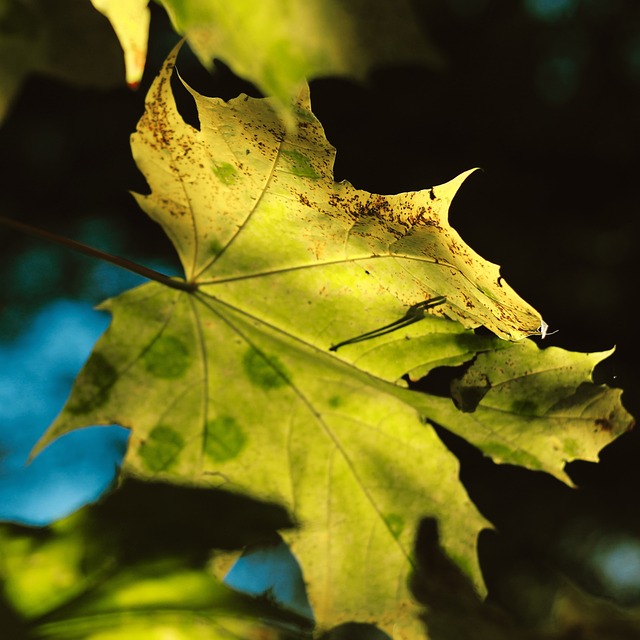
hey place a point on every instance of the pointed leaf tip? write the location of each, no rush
(130, 20)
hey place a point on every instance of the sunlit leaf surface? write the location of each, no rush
(275, 368)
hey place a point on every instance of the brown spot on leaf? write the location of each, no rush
(304, 200)
(604, 424)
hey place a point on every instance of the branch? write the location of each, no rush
(123, 263)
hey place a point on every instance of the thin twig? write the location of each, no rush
(123, 263)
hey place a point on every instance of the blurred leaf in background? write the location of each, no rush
(542, 604)
(279, 45)
(136, 566)
(66, 39)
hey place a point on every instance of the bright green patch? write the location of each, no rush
(265, 373)
(167, 358)
(161, 448)
(299, 164)
(225, 172)
(224, 439)
(100, 377)
(215, 247)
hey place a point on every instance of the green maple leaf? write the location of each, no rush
(229, 377)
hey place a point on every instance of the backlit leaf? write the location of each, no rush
(65, 39)
(275, 368)
(539, 402)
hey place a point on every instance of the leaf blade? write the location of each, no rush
(233, 382)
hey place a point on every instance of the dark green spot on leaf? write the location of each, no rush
(524, 408)
(167, 358)
(302, 113)
(470, 342)
(215, 247)
(299, 164)
(224, 439)
(161, 448)
(395, 523)
(94, 385)
(335, 401)
(265, 373)
(225, 172)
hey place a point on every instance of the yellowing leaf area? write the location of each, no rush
(278, 367)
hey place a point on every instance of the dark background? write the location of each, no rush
(543, 95)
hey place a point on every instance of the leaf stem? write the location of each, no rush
(123, 263)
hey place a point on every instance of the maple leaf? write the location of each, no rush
(274, 368)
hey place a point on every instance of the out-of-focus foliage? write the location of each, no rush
(281, 45)
(551, 606)
(136, 566)
(63, 38)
